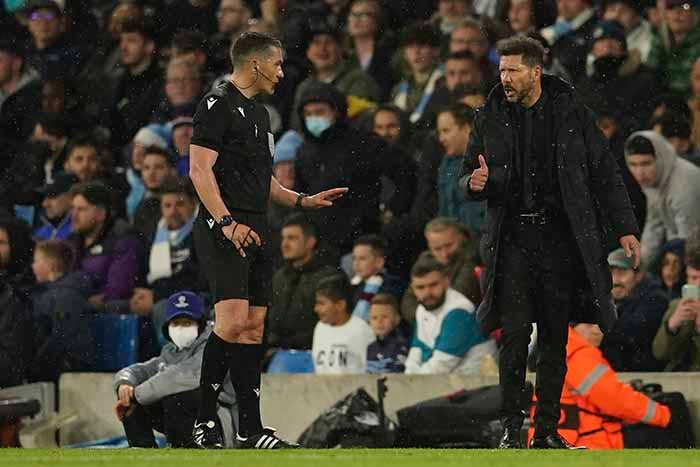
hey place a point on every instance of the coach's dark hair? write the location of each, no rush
(335, 287)
(300, 220)
(251, 43)
(461, 112)
(178, 186)
(531, 50)
(425, 264)
(376, 242)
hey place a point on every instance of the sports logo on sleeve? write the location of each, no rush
(241, 111)
(211, 101)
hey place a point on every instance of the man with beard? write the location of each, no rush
(617, 77)
(106, 249)
(545, 169)
(446, 336)
(641, 305)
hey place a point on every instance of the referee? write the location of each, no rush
(231, 168)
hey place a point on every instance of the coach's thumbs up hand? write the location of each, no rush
(480, 176)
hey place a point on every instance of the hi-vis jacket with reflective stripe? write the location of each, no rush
(595, 404)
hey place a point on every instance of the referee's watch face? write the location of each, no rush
(269, 69)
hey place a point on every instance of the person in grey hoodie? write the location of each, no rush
(672, 188)
(162, 393)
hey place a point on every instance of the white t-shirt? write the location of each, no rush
(341, 350)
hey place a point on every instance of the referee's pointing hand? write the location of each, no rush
(323, 199)
(241, 236)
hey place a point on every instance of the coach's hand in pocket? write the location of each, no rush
(242, 236)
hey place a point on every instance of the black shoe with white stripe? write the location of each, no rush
(265, 440)
(206, 435)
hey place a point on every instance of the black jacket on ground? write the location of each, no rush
(344, 156)
(592, 194)
(628, 344)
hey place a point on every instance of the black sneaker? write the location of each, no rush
(206, 435)
(265, 440)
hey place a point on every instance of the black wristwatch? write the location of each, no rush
(226, 220)
(300, 198)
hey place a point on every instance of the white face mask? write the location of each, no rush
(183, 336)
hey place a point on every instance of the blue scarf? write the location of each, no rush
(159, 262)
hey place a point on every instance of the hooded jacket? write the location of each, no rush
(672, 201)
(595, 404)
(593, 195)
(344, 156)
(174, 371)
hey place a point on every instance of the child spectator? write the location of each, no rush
(370, 277)
(388, 353)
(61, 313)
(340, 339)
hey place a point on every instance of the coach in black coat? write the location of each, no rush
(553, 189)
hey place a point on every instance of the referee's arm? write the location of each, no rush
(287, 197)
(202, 161)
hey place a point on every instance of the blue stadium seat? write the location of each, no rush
(291, 361)
(116, 341)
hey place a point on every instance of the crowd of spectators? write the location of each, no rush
(96, 208)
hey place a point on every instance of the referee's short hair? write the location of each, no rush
(335, 287)
(252, 43)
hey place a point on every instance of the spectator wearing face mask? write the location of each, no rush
(161, 394)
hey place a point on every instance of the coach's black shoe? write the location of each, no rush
(265, 440)
(511, 439)
(206, 435)
(552, 442)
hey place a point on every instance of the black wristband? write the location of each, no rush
(300, 198)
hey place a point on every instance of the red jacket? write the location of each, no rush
(595, 404)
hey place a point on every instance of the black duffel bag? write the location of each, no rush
(465, 419)
(677, 435)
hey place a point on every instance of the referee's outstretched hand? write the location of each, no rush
(241, 236)
(323, 199)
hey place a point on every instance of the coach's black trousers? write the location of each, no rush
(538, 266)
(173, 416)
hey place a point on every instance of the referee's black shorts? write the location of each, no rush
(230, 275)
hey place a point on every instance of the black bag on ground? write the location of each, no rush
(677, 435)
(467, 418)
(351, 422)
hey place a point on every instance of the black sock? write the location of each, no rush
(215, 365)
(245, 377)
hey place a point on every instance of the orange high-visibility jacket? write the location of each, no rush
(595, 404)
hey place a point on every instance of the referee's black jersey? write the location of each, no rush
(239, 130)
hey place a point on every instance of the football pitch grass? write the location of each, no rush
(345, 458)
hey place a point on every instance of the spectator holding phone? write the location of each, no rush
(677, 341)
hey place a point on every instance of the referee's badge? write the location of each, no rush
(271, 143)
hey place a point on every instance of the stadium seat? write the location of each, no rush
(116, 341)
(291, 361)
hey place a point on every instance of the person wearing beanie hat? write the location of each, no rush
(677, 45)
(152, 135)
(161, 394)
(630, 13)
(616, 77)
(641, 303)
(671, 185)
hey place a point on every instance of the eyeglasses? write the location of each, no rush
(42, 15)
